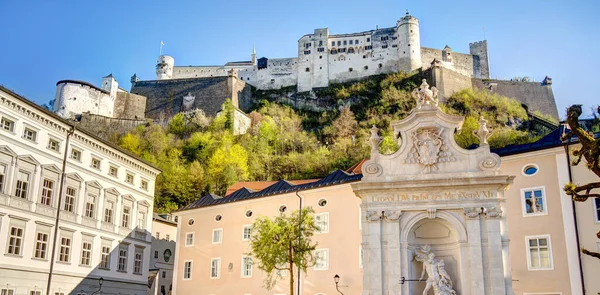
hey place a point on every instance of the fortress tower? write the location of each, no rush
(480, 49)
(164, 67)
(110, 85)
(409, 43)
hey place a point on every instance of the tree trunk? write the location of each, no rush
(291, 263)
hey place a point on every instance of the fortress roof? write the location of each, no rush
(239, 63)
(82, 83)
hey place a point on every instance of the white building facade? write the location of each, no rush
(164, 243)
(104, 197)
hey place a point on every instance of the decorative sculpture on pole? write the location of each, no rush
(425, 96)
(437, 277)
(483, 133)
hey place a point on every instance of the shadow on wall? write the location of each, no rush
(162, 260)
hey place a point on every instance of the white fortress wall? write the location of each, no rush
(74, 98)
(280, 72)
(459, 62)
(184, 72)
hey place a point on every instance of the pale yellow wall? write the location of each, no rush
(525, 281)
(588, 227)
(343, 242)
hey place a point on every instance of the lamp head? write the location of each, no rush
(336, 279)
(101, 281)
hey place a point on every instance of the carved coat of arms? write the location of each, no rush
(427, 143)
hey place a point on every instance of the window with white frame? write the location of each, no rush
(187, 270)
(86, 253)
(122, 258)
(41, 245)
(53, 145)
(246, 266)
(30, 134)
(534, 201)
(125, 217)
(539, 252)
(75, 154)
(70, 199)
(215, 268)
(217, 236)
(141, 220)
(144, 185)
(129, 178)
(138, 260)
(2, 177)
(7, 291)
(15, 240)
(321, 259)
(113, 171)
(35, 292)
(47, 192)
(189, 239)
(65, 249)
(108, 212)
(597, 209)
(105, 257)
(7, 124)
(22, 185)
(95, 163)
(246, 232)
(322, 222)
(59, 293)
(90, 206)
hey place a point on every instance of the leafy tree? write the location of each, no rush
(590, 150)
(228, 165)
(282, 244)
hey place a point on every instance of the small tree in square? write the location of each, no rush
(283, 243)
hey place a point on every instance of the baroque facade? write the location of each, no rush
(103, 194)
(498, 220)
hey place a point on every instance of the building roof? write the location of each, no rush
(279, 187)
(83, 83)
(239, 63)
(260, 185)
(74, 126)
(166, 218)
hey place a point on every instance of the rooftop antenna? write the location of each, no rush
(161, 45)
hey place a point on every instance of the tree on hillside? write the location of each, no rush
(283, 244)
(590, 150)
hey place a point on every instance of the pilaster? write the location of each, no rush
(473, 224)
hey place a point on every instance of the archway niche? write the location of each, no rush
(443, 238)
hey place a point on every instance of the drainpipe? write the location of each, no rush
(566, 145)
(60, 197)
(381, 252)
(299, 232)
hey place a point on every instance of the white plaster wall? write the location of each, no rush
(73, 99)
(182, 72)
(280, 72)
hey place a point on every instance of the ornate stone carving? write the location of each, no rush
(483, 133)
(373, 216)
(472, 212)
(427, 144)
(392, 215)
(188, 102)
(431, 213)
(493, 212)
(425, 96)
(374, 169)
(437, 277)
(375, 139)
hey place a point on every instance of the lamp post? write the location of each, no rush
(100, 282)
(336, 279)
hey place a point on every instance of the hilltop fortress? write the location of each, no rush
(322, 59)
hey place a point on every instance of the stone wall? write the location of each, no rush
(535, 95)
(106, 127)
(129, 106)
(165, 97)
(447, 81)
(75, 97)
(280, 72)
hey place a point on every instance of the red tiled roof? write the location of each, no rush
(356, 168)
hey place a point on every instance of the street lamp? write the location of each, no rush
(336, 279)
(100, 282)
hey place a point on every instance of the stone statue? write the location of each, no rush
(437, 277)
(425, 96)
(483, 133)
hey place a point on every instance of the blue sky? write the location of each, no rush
(47, 41)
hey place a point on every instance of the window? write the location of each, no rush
(125, 218)
(187, 270)
(36, 292)
(129, 178)
(539, 252)
(86, 253)
(322, 202)
(89, 206)
(368, 39)
(189, 239)
(105, 258)
(70, 199)
(164, 274)
(322, 222)
(47, 191)
(15, 240)
(356, 41)
(7, 292)
(167, 237)
(306, 51)
(350, 42)
(113, 171)
(333, 43)
(339, 43)
(215, 268)
(350, 69)
(53, 145)
(217, 236)
(597, 209)
(246, 266)
(95, 163)
(534, 201)
(108, 212)
(155, 254)
(218, 217)
(65, 249)
(190, 221)
(22, 185)
(7, 124)
(307, 70)
(144, 185)
(122, 259)
(366, 67)
(30, 134)
(138, 261)
(321, 259)
(282, 208)
(41, 245)
(157, 235)
(530, 169)
(248, 213)
(141, 220)
(246, 232)
(345, 42)
(75, 154)
(2, 177)
(384, 46)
